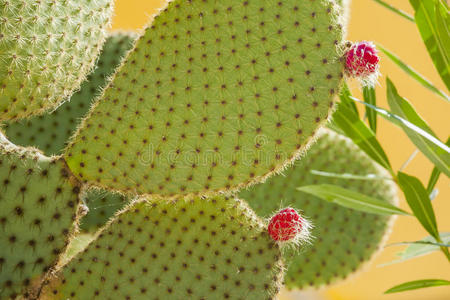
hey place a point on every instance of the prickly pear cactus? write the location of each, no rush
(51, 132)
(215, 96)
(344, 239)
(38, 204)
(197, 249)
(47, 48)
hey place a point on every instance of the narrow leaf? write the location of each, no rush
(422, 247)
(435, 174)
(352, 199)
(418, 284)
(361, 135)
(417, 197)
(349, 176)
(370, 97)
(396, 10)
(346, 100)
(413, 73)
(423, 243)
(333, 126)
(394, 119)
(440, 156)
(428, 19)
(443, 30)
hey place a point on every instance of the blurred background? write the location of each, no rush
(370, 21)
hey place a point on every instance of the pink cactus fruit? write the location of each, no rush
(362, 62)
(288, 226)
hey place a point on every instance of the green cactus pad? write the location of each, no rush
(215, 96)
(343, 239)
(102, 205)
(47, 48)
(51, 132)
(38, 204)
(199, 249)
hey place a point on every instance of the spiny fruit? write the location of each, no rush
(288, 225)
(214, 248)
(215, 96)
(47, 48)
(38, 205)
(361, 61)
(343, 240)
(50, 132)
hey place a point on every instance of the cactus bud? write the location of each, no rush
(287, 225)
(361, 61)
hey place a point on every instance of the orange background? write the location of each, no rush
(370, 21)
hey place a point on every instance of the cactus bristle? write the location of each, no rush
(47, 48)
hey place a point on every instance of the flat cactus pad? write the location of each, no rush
(199, 249)
(215, 96)
(38, 204)
(343, 239)
(47, 48)
(50, 132)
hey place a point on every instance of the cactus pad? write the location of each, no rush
(199, 249)
(47, 48)
(343, 239)
(102, 206)
(38, 203)
(51, 132)
(215, 96)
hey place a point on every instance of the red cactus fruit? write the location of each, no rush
(288, 225)
(362, 60)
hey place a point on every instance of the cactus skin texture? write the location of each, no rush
(213, 248)
(50, 132)
(38, 204)
(215, 96)
(47, 48)
(343, 239)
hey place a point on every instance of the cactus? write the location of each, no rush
(51, 132)
(186, 249)
(215, 96)
(38, 204)
(344, 239)
(46, 49)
